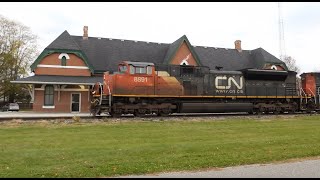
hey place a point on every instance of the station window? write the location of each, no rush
(48, 95)
(63, 61)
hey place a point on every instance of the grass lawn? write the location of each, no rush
(106, 149)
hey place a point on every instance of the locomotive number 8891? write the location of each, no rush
(142, 88)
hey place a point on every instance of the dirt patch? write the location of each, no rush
(108, 120)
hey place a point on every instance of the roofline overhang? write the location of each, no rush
(44, 82)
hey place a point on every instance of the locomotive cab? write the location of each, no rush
(134, 78)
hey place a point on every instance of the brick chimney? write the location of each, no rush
(85, 32)
(237, 45)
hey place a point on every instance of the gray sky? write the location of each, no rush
(213, 24)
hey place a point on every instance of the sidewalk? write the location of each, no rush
(37, 115)
(304, 168)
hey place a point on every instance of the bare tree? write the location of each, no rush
(18, 48)
(291, 64)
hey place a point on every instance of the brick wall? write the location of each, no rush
(183, 53)
(64, 105)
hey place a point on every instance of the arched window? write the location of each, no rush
(63, 57)
(184, 62)
(63, 61)
(274, 67)
(48, 95)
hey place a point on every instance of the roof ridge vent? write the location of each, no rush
(122, 39)
(147, 42)
(110, 39)
(135, 41)
(205, 46)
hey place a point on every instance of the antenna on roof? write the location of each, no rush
(282, 48)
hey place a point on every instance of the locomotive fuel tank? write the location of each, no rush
(215, 107)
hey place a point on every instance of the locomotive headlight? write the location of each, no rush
(93, 92)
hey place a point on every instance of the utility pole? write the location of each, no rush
(282, 47)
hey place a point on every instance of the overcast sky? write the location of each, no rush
(213, 24)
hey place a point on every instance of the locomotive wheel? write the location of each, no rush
(277, 110)
(261, 110)
(291, 111)
(116, 113)
(164, 112)
(140, 112)
(95, 111)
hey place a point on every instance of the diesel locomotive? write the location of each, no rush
(142, 88)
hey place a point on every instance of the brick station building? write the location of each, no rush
(67, 68)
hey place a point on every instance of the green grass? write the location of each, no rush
(138, 147)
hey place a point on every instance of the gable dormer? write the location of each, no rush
(62, 57)
(181, 52)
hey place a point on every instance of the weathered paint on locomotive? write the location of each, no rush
(211, 84)
(143, 88)
(308, 83)
(141, 84)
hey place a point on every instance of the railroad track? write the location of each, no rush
(154, 117)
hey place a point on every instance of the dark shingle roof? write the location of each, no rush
(261, 56)
(105, 54)
(49, 79)
(64, 41)
(229, 59)
(172, 49)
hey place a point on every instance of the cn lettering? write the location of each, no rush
(230, 80)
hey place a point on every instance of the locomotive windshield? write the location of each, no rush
(122, 68)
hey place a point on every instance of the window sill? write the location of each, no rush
(48, 107)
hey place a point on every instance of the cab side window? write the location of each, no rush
(132, 69)
(149, 70)
(140, 69)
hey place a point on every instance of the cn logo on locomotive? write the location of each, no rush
(219, 80)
